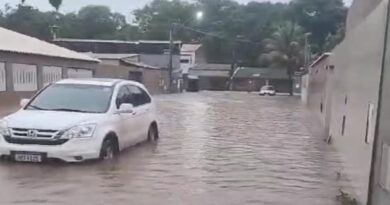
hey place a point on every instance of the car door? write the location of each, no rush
(126, 121)
(142, 106)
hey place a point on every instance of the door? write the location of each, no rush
(142, 108)
(125, 121)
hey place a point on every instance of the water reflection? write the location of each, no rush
(215, 148)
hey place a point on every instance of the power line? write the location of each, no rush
(217, 36)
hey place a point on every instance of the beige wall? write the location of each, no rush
(356, 76)
(151, 78)
(318, 79)
(9, 100)
(359, 10)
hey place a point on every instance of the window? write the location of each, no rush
(2, 77)
(185, 61)
(51, 74)
(124, 96)
(24, 77)
(370, 128)
(73, 98)
(343, 125)
(139, 96)
(135, 76)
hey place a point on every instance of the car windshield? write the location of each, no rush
(73, 98)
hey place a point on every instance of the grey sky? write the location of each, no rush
(122, 6)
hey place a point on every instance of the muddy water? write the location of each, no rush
(215, 148)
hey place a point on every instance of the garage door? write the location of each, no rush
(2, 77)
(25, 77)
(51, 74)
(79, 73)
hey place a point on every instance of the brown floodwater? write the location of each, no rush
(216, 148)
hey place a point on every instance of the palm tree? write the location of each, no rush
(286, 49)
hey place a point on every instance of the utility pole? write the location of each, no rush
(170, 66)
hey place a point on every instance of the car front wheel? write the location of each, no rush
(153, 133)
(107, 151)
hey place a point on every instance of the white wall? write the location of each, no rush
(24, 77)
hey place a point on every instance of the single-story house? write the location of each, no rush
(28, 64)
(208, 77)
(218, 76)
(128, 66)
(252, 79)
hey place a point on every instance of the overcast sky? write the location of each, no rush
(122, 6)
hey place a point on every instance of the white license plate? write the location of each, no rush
(28, 158)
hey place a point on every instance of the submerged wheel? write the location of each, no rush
(153, 133)
(108, 150)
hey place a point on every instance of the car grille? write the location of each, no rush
(35, 136)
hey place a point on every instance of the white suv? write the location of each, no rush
(79, 119)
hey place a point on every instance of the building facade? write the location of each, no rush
(28, 64)
(343, 89)
(128, 66)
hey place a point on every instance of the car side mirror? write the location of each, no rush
(23, 102)
(125, 108)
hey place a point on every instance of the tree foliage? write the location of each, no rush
(235, 32)
(285, 48)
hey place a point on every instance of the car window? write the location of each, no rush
(73, 98)
(140, 97)
(123, 96)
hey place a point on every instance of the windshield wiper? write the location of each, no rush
(68, 110)
(35, 107)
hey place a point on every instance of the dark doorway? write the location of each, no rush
(135, 76)
(193, 85)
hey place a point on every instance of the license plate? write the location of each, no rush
(28, 157)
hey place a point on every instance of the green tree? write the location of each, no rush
(285, 49)
(30, 21)
(319, 17)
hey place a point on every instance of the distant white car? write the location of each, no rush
(77, 120)
(267, 90)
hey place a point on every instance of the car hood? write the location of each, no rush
(34, 119)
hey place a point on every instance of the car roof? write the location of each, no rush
(97, 81)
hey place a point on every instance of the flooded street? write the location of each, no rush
(215, 148)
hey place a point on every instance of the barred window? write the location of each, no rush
(24, 77)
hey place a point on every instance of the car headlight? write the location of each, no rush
(79, 131)
(4, 130)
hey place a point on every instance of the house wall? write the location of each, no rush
(318, 76)
(255, 84)
(153, 79)
(9, 99)
(213, 83)
(359, 10)
(354, 85)
(159, 60)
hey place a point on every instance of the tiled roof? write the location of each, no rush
(111, 41)
(11, 41)
(116, 56)
(212, 67)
